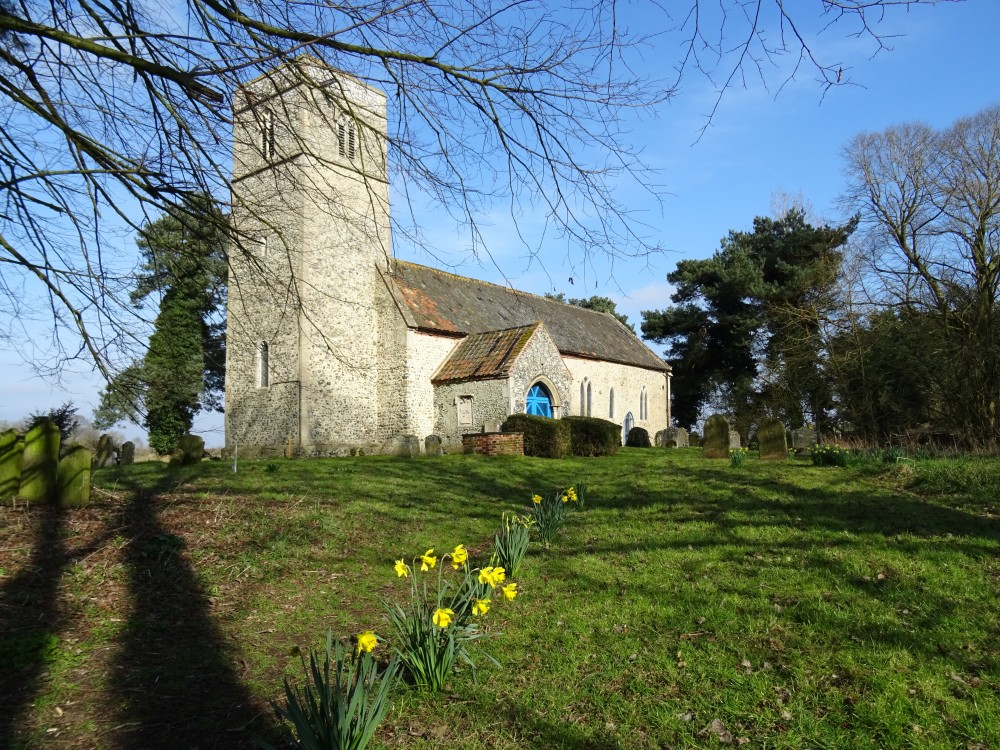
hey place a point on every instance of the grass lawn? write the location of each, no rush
(690, 604)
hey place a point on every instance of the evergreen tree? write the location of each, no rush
(183, 371)
(745, 334)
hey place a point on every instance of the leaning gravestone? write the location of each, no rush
(11, 453)
(105, 452)
(432, 446)
(190, 451)
(74, 478)
(715, 443)
(126, 456)
(771, 440)
(804, 438)
(40, 464)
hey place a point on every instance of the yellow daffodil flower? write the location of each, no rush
(509, 591)
(458, 556)
(492, 577)
(366, 642)
(571, 494)
(536, 499)
(402, 569)
(427, 560)
(480, 607)
(442, 617)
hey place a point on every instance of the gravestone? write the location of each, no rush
(734, 440)
(694, 440)
(672, 437)
(804, 438)
(493, 427)
(40, 463)
(74, 478)
(105, 452)
(190, 451)
(715, 443)
(771, 440)
(432, 446)
(11, 453)
(126, 456)
(406, 446)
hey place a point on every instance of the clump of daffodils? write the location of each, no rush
(442, 618)
(738, 457)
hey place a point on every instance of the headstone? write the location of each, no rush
(771, 440)
(126, 456)
(105, 452)
(804, 438)
(74, 478)
(675, 437)
(11, 453)
(432, 446)
(190, 451)
(715, 443)
(694, 440)
(493, 427)
(407, 446)
(40, 464)
(734, 440)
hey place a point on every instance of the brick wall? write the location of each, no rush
(494, 443)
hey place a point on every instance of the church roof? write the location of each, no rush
(441, 302)
(490, 354)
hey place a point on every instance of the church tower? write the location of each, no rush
(310, 213)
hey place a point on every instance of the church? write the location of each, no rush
(335, 345)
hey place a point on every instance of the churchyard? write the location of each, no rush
(689, 603)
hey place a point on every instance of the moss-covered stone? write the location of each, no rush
(190, 451)
(11, 453)
(74, 478)
(771, 440)
(715, 443)
(40, 464)
(105, 452)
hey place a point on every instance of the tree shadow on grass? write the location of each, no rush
(30, 621)
(177, 681)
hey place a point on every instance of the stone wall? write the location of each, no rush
(540, 361)
(424, 354)
(495, 443)
(628, 382)
(490, 403)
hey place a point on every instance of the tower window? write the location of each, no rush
(267, 142)
(263, 376)
(346, 137)
(611, 406)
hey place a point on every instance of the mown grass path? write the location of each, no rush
(689, 605)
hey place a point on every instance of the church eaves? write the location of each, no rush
(440, 302)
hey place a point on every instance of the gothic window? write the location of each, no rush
(261, 248)
(464, 404)
(583, 399)
(538, 401)
(590, 399)
(263, 376)
(611, 407)
(267, 144)
(627, 426)
(643, 404)
(346, 137)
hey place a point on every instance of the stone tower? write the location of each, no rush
(310, 212)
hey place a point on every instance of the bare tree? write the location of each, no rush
(116, 112)
(930, 207)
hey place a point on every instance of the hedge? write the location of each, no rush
(594, 437)
(543, 437)
(638, 437)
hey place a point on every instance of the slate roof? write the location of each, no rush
(485, 355)
(440, 302)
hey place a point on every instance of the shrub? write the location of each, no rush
(549, 513)
(591, 436)
(543, 437)
(339, 707)
(511, 543)
(638, 437)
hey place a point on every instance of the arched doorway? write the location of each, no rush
(627, 427)
(538, 401)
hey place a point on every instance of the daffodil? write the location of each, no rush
(442, 617)
(570, 494)
(402, 569)
(480, 607)
(366, 642)
(536, 499)
(509, 591)
(458, 556)
(492, 577)
(427, 560)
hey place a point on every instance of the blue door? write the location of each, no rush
(627, 427)
(539, 401)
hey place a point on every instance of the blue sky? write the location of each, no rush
(943, 65)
